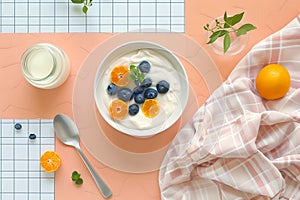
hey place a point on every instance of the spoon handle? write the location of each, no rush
(104, 189)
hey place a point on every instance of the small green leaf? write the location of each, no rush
(244, 29)
(132, 67)
(231, 21)
(79, 181)
(135, 71)
(77, 1)
(225, 16)
(85, 9)
(75, 175)
(141, 77)
(226, 42)
(216, 35)
(131, 77)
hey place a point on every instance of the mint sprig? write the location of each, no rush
(225, 27)
(136, 74)
(86, 4)
(76, 178)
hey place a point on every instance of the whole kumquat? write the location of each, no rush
(273, 81)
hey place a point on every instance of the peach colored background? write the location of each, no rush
(20, 100)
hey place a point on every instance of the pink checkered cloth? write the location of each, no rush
(238, 145)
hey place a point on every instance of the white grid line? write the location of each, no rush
(104, 16)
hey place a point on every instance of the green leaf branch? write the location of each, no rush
(226, 26)
(86, 4)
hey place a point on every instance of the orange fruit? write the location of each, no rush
(50, 161)
(150, 108)
(273, 81)
(118, 109)
(119, 76)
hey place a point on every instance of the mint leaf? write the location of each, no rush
(74, 173)
(132, 67)
(75, 176)
(77, 1)
(79, 181)
(216, 35)
(141, 77)
(244, 29)
(231, 21)
(136, 74)
(226, 42)
(131, 77)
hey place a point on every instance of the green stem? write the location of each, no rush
(220, 27)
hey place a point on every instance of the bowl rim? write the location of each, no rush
(145, 132)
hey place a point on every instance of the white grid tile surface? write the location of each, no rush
(104, 16)
(21, 177)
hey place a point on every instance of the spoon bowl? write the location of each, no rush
(68, 133)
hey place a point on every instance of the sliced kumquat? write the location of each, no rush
(151, 108)
(119, 76)
(118, 109)
(50, 161)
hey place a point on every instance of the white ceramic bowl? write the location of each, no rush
(164, 66)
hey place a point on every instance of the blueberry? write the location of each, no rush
(150, 93)
(144, 66)
(125, 94)
(32, 136)
(138, 90)
(139, 98)
(147, 82)
(112, 89)
(18, 126)
(133, 109)
(163, 86)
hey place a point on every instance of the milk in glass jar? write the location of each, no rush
(45, 66)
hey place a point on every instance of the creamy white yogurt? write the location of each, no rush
(161, 69)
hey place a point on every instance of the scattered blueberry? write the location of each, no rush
(133, 109)
(125, 94)
(112, 89)
(139, 98)
(18, 126)
(150, 93)
(147, 82)
(144, 66)
(32, 136)
(138, 90)
(163, 86)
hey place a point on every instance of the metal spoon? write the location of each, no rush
(67, 132)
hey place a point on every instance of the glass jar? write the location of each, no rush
(45, 66)
(237, 45)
